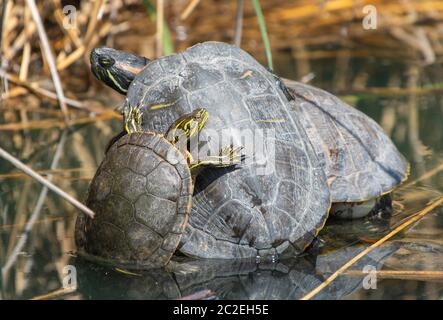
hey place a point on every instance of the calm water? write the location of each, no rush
(414, 122)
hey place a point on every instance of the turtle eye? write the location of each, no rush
(105, 61)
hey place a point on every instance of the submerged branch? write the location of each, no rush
(400, 274)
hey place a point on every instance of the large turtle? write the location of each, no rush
(361, 162)
(251, 211)
(141, 195)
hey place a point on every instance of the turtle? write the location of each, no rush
(142, 193)
(278, 200)
(361, 163)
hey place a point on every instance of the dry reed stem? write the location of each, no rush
(55, 294)
(93, 22)
(189, 8)
(49, 58)
(72, 32)
(52, 123)
(20, 165)
(61, 172)
(20, 225)
(106, 28)
(34, 88)
(160, 28)
(400, 274)
(239, 23)
(426, 175)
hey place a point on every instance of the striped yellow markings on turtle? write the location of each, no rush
(192, 125)
(227, 153)
(204, 120)
(246, 74)
(190, 130)
(134, 126)
(271, 120)
(161, 106)
(128, 115)
(199, 164)
(133, 118)
(179, 124)
(173, 133)
(183, 125)
(115, 81)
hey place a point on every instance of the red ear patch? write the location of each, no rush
(129, 68)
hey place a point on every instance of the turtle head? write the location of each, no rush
(116, 68)
(187, 126)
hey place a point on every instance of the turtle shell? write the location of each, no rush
(360, 160)
(141, 195)
(278, 199)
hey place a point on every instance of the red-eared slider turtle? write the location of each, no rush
(279, 199)
(141, 195)
(360, 161)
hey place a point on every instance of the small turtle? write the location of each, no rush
(361, 162)
(142, 193)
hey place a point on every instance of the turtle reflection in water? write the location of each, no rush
(233, 279)
(325, 150)
(142, 195)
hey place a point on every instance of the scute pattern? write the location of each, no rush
(140, 218)
(237, 214)
(360, 160)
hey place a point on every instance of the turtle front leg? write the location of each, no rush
(133, 119)
(228, 156)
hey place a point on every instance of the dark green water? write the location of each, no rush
(413, 121)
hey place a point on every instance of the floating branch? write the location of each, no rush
(55, 294)
(413, 219)
(422, 275)
(35, 213)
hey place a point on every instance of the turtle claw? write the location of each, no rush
(235, 155)
(229, 156)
